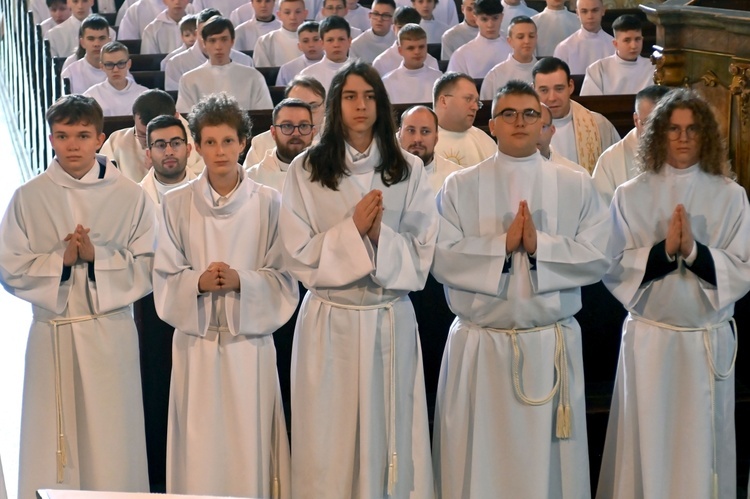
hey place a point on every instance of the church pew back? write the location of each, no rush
(146, 62)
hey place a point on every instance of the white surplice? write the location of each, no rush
(615, 76)
(288, 71)
(512, 11)
(486, 440)
(244, 13)
(565, 142)
(455, 37)
(356, 327)
(156, 189)
(115, 102)
(271, 171)
(63, 38)
(411, 86)
(324, 71)
(669, 409)
(276, 48)
(434, 29)
(583, 48)
(438, 170)
(368, 45)
(465, 148)
(509, 69)
(83, 75)
(616, 165)
(93, 349)
(559, 159)
(391, 59)
(247, 33)
(139, 15)
(227, 435)
(445, 11)
(477, 57)
(178, 50)
(47, 25)
(552, 27)
(243, 83)
(161, 36)
(192, 58)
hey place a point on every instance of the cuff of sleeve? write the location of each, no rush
(692, 256)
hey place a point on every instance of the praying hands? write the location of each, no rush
(368, 215)
(679, 234)
(521, 232)
(217, 277)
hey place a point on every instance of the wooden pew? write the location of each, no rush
(434, 49)
(149, 79)
(146, 62)
(134, 46)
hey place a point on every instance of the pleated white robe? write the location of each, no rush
(660, 438)
(227, 434)
(341, 362)
(487, 443)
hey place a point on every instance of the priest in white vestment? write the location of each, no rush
(412, 81)
(78, 244)
(581, 135)
(378, 38)
(390, 59)
(625, 72)
(511, 10)
(278, 47)
(456, 103)
(513, 265)
(522, 37)
(681, 250)
(488, 49)
(163, 34)
(461, 33)
(359, 238)
(262, 23)
(554, 24)
(545, 147)
(590, 43)
(64, 38)
(619, 163)
(117, 94)
(336, 36)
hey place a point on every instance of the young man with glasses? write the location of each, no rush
(292, 131)
(681, 247)
(86, 71)
(511, 413)
(376, 40)
(117, 94)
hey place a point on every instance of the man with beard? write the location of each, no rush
(293, 131)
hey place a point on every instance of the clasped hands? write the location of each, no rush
(217, 277)
(79, 247)
(522, 232)
(368, 215)
(679, 234)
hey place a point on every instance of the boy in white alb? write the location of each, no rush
(63, 38)
(554, 24)
(280, 46)
(445, 12)
(391, 59)
(312, 52)
(117, 93)
(357, 16)
(376, 40)
(337, 8)
(488, 49)
(590, 43)
(412, 81)
(188, 36)
(163, 34)
(264, 22)
(513, 9)
(86, 71)
(59, 12)
(334, 31)
(434, 28)
(141, 14)
(461, 33)
(522, 37)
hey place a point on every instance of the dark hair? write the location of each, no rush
(436, 2)
(219, 109)
(217, 25)
(414, 109)
(307, 82)
(50, 3)
(111, 47)
(548, 65)
(652, 145)
(488, 7)
(406, 15)
(342, 1)
(334, 22)
(390, 3)
(447, 82)
(313, 26)
(153, 103)
(93, 22)
(411, 32)
(326, 159)
(514, 87)
(207, 14)
(654, 93)
(520, 20)
(188, 23)
(290, 102)
(74, 109)
(164, 121)
(627, 22)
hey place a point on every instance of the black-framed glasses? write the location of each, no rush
(119, 64)
(510, 115)
(469, 100)
(384, 17)
(161, 145)
(288, 128)
(674, 132)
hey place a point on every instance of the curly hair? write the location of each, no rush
(653, 144)
(219, 109)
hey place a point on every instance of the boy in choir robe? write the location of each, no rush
(357, 16)
(292, 131)
(456, 103)
(590, 43)
(681, 251)
(217, 280)
(168, 151)
(390, 59)
(188, 36)
(141, 14)
(64, 38)
(117, 94)
(418, 135)
(264, 22)
(545, 143)
(127, 148)
(626, 72)
(308, 90)
(554, 24)
(59, 12)
(311, 47)
(434, 28)
(337, 8)
(511, 10)
(412, 81)
(376, 40)
(86, 71)
(461, 33)
(164, 34)
(618, 163)
(278, 47)
(581, 134)
(488, 49)
(78, 244)
(221, 74)
(197, 55)
(444, 12)
(336, 37)
(522, 37)
(513, 266)
(358, 226)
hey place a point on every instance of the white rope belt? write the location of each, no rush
(564, 412)
(392, 454)
(56, 323)
(714, 372)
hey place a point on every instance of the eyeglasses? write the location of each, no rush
(384, 17)
(288, 128)
(119, 64)
(161, 145)
(674, 132)
(469, 100)
(530, 116)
